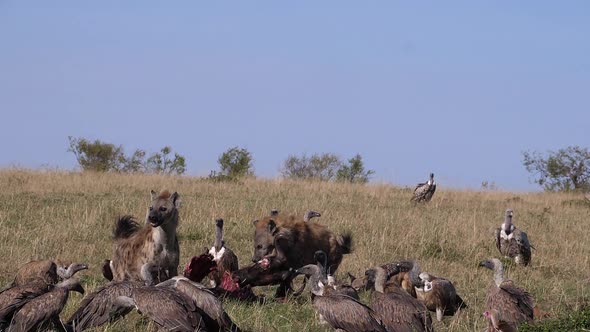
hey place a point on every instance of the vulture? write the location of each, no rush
(505, 302)
(340, 311)
(403, 274)
(310, 215)
(498, 323)
(512, 242)
(226, 260)
(439, 295)
(99, 307)
(215, 318)
(165, 306)
(424, 191)
(32, 280)
(48, 270)
(44, 310)
(13, 298)
(400, 311)
(333, 287)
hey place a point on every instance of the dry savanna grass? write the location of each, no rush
(70, 216)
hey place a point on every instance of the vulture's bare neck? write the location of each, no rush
(498, 274)
(380, 279)
(218, 236)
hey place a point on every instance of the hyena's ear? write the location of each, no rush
(154, 194)
(255, 221)
(175, 200)
(272, 226)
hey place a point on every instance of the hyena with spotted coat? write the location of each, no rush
(155, 242)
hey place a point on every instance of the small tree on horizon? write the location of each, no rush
(235, 163)
(354, 171)
(566, 169)
(322, 167)
(162, 163)
(97, 156)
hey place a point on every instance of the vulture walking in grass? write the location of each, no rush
(215, 317)
(340, 311)
(512, 242)
(424, 191)
(310, 215)
(506, 304)
(399, 311)
(439, 295)
(226, 260)
(44, 310)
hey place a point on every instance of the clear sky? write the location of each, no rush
(459, 88)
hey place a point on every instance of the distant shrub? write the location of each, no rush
(234, 163)
(563, 170)
(161, 162)
(99, 156)
(354, 171)
(321, 167)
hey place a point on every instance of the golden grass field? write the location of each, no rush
(70, 216)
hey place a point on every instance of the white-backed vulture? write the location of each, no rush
(99, 308)
(424, 191)
(508, 302)
(512, 242)
(399, 311)
(165, 306)
(48, 270)
(44, 309)
(215, 317)
(498, 323)
(439, 295)
(224, 257)
(340, 311)
(310, 215)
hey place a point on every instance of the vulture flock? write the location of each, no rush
(402, 296)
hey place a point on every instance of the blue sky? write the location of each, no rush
(459, 88)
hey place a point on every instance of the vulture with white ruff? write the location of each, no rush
(226, 260)
(399, 311)
(340, 311)
(48, 270)
(40, 312)
(505, 301)
(512, 242)
(439, 295)
(424, 191)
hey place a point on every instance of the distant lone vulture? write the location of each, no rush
(506, 303)
(512, 242)
(424, 191)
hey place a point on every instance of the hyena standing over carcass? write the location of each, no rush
(155, 242)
